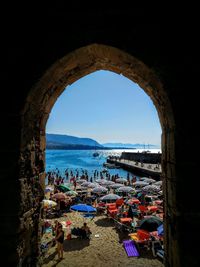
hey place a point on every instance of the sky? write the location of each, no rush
(107, 107)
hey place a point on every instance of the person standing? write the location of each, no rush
(60, 240)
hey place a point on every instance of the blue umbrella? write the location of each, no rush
(83, 208)
(160, 230)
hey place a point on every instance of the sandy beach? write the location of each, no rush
(104, 249)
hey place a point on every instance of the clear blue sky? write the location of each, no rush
(107, 107)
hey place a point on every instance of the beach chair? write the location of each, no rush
(141, 237)
(157, 249)
(130, 248)
(143, 209)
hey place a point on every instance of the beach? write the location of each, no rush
(105, 247)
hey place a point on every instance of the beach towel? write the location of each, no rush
(130, 248)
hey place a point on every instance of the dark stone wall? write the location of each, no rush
(165, 39)
(154, 158)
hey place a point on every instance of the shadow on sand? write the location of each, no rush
(75, 244)
(50, 257)
(105, 222)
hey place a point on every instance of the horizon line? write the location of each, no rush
(111, 142)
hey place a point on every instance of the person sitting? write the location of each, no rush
(85, 231)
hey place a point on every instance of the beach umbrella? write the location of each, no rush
(63, 188)
(150, 223)
(143, 178)
(59, 196)
(110, 197)
(100, 181)
(125, 189)
(159, 183)
(93, 185)
(151, 189)
(107, 183)
(121, 180)
(160, 230)
(99, 190)
(115, 186)
(48, 203)
(80, 181)
(148, 180)
(85, 184)
(83, 208)
(140, 183)
(71, 193)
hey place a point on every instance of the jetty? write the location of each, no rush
(140, 168)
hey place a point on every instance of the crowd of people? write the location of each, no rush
(122, 208)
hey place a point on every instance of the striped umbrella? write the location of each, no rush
(99, 190)
(125, 189)
(151, 189)
(115, 186)
(121, 180)
(113, 197)
(148, 180)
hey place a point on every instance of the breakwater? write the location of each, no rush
(144, 157)
(143, 169)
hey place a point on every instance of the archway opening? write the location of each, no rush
(64, 72)
(99, 108)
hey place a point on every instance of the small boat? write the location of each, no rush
(95, 154)
(110, 166)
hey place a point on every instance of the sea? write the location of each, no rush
(79, 160)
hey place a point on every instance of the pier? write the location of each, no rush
(145, 169)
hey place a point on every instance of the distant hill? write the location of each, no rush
(121, 145)
(59, 141)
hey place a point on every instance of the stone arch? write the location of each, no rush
(36, 112)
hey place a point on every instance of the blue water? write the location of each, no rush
(81, 159)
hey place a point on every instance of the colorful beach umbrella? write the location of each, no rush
(99, 190)
(140, 183)
(83, 208)
(63, 188)
(71, 193)
(159, 183)
(107, 183)
(148, 180)
(160, 230)
(80, 181)
(85, 184)
(151, 189)
(113, 197)
(125, 189)
(100, 181)
(150, 223)
(115, 186)
(48, 203)
(121, 180)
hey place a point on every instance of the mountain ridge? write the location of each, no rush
(63, 139)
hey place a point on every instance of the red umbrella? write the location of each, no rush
(133, 201)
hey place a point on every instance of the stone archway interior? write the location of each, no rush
(37, 108)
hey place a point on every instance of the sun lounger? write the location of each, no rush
(130, 248)
(157, 249)
(160, 253)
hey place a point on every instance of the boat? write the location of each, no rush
(95, 154)
(110, 166)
